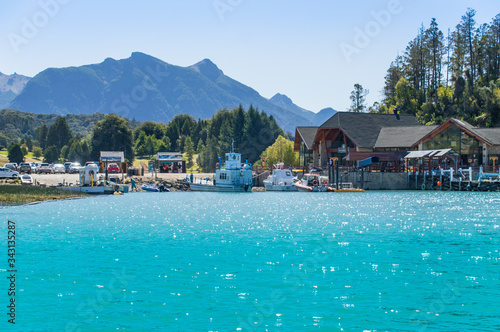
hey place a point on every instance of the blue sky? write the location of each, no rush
(314, 52)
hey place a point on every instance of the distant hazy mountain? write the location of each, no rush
(323, 115)
(286, 103)
(316, 119)
(145, 88)
(10, 87)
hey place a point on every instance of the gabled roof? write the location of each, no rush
(307, 135)
(489, 136)
(364, 128)
(402, 137)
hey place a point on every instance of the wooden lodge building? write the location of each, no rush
(356, 136)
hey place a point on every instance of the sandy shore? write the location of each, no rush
(55, 179)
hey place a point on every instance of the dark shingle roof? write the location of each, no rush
(490, 134)
(364, 128)
(402, 137)
(307, 134)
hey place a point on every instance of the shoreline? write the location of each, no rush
(17, 194)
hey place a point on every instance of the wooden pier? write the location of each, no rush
(454, 181)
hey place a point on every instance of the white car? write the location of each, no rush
(58, 168)
(26, 179)
(75, 168)
(12, 166)
(8, 173)
(44, 168)
(34, 168)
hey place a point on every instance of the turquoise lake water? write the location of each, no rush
(378, 261)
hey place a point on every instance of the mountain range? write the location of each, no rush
(10, 87)
(143, 87)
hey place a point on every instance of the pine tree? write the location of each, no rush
(59, 134)
(41, 135)
(434, 42)
(358, 98)
(51, 154)
(189, 150)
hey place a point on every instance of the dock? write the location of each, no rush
(451, 180)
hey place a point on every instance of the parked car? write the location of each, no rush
(34, 168)
(75, 168)
(58, 168)
(92, 162)
(26, 179)
(24, 168)
(8, 173)
(12, 166)
(115, 179)
(113, 168)
(67, 165)
(44, 168)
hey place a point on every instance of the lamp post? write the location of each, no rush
(495, 158)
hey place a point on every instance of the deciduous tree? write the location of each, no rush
(113, 133)
(15, 154)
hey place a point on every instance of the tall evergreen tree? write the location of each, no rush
(358, 98)
(239, 120)
(173, 134)
(434, 42)
(41, 135)
(59, 134)
(51, 154)
(394, 73)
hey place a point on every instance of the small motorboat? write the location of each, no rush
(313, 182)
(150, 187)
(153, 188)
(280, 179)
(347, 187)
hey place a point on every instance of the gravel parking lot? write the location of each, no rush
(55, 179)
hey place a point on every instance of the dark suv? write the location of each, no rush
(25, 168)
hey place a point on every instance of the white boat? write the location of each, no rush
(313, 182)
(233, 176)
(280, 179)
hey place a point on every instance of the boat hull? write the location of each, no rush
(211, 187)
(349, 190)
(271, 187)
(150, 189)
(98, 190)
(301, 187)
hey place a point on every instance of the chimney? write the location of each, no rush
(395, 110)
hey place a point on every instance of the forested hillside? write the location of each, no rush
(446, 74)
(82, 137)
(17, 125)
